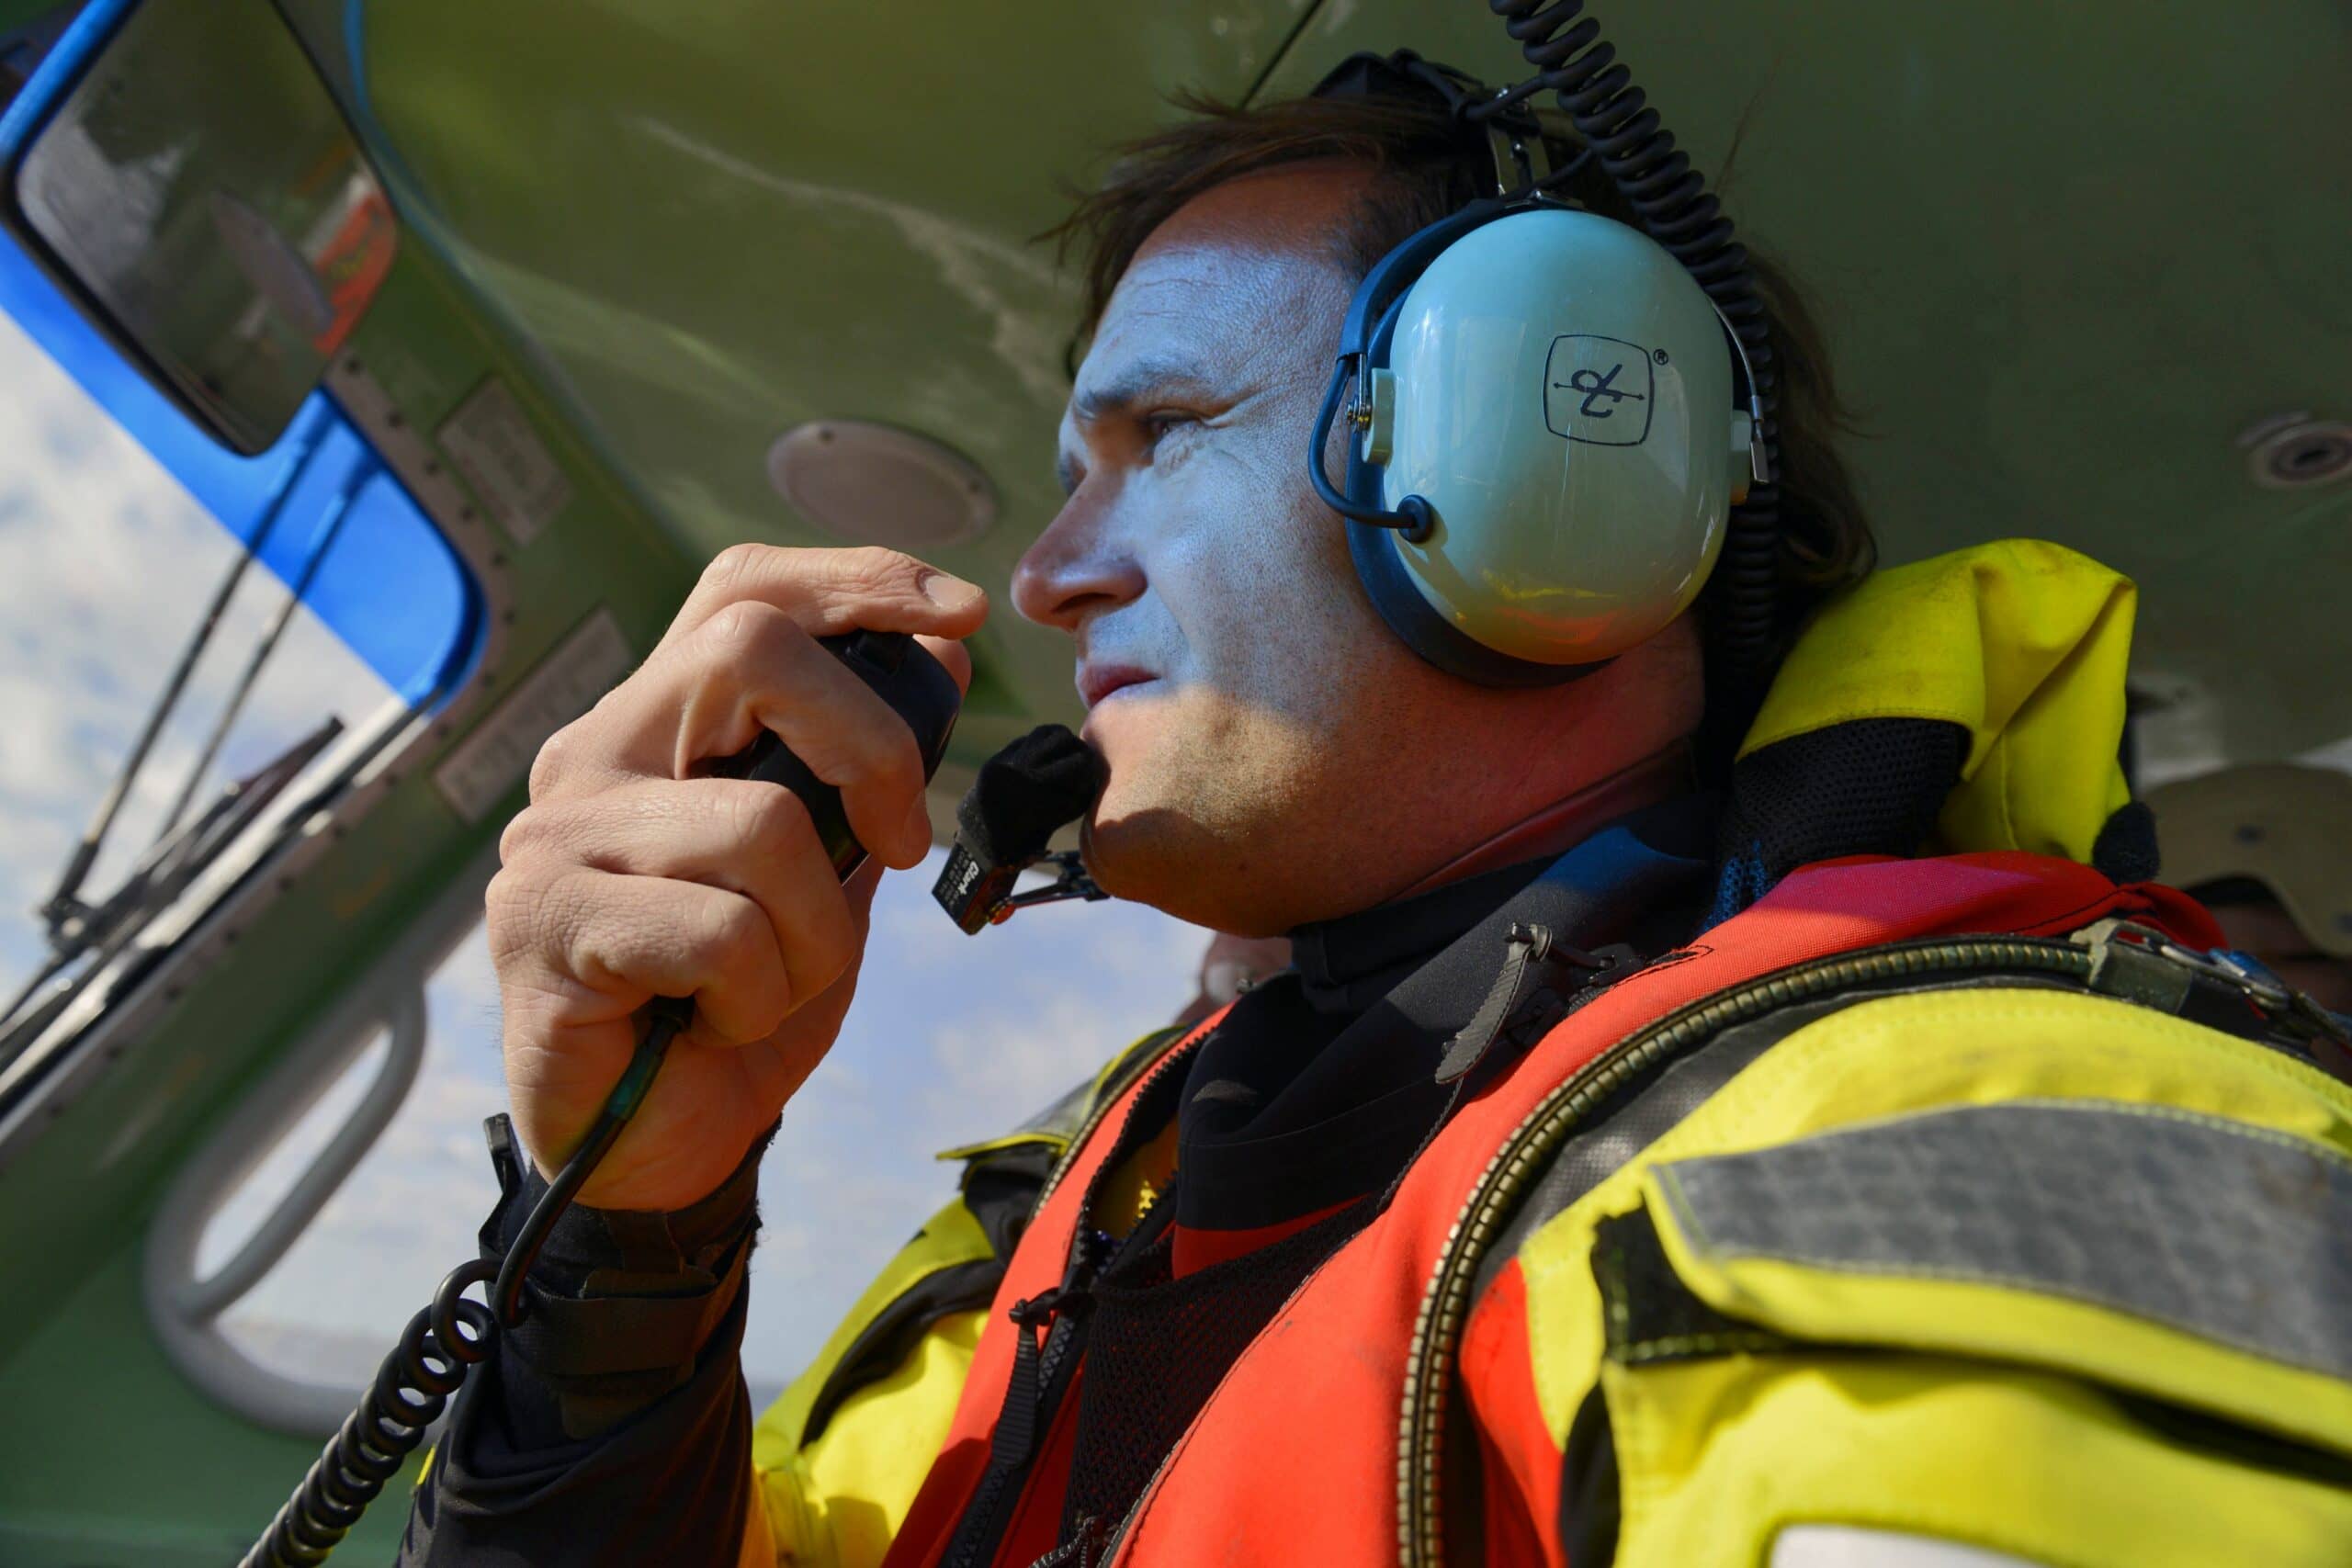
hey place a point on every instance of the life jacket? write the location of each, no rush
(1567, 1256)
(1305, 1439)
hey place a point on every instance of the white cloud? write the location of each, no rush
(105, 566)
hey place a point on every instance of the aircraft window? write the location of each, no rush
(332, 1304)
(1001, 1025)
(122, 531)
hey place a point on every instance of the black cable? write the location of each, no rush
(1677, 210)
(447, 1339)
(453, 1335)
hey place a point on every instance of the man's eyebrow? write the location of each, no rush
(1157, 374)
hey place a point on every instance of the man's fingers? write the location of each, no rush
(829, 590)
(633, 938)
(825, 715)
(751, 597)
(749, 668)
(738, 835)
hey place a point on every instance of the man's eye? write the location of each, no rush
(1157, 426)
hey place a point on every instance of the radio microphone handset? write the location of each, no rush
(918, 688)
(448, 1338)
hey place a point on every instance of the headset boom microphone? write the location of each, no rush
(1034, 786)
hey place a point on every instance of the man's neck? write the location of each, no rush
(1568, 821)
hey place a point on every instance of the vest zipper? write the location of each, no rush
(1531, 954)
(1111, 1543)
(1437, 1327)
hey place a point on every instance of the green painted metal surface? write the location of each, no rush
(2065, 256)
(715, 223)
(130, 1466)
(18, 13)
(116, 1458)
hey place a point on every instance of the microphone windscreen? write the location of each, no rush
(1025, 793)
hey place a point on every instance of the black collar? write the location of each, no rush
(1319, 1084)
(1346, 965)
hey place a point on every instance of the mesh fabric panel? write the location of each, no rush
(1868, 786)
(1157, 1347)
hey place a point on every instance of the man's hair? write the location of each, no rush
(1428, 165)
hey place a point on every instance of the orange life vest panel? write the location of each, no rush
(1299, 1443)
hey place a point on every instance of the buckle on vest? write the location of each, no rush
(2139, 963)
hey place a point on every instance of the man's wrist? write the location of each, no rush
(619, 1304)
(618, 1251)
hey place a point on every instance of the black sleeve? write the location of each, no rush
(611, 1426)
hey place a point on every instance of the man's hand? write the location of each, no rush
(632, 875)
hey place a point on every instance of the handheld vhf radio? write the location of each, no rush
(902, 674)
(1027, 791)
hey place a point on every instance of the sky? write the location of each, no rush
(105, 567)
(952, 1039)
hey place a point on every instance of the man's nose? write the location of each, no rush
(1076, 568)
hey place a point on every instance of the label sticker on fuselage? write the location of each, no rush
(490, 440)
(1599, 390)
(490, 760)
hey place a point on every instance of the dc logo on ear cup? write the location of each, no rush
(1598, 390)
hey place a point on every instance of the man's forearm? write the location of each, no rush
(671, 1484)
(613, 1419)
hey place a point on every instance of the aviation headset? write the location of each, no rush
(1544, 443)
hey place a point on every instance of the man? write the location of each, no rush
(1443, 1239)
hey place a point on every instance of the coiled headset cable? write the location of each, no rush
(1675, 208)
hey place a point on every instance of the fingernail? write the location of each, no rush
(949, 593)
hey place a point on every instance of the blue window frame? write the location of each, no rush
(388, 585)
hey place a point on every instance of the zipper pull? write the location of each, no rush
(1016, 1424)
(1034, 1321)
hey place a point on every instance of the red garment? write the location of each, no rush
(1299, 1444)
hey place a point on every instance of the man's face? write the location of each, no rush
(1276, 756)
(1232, 671)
